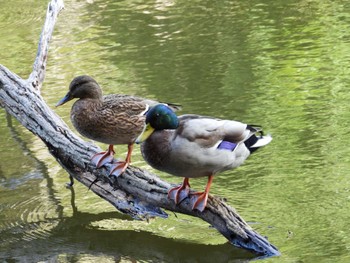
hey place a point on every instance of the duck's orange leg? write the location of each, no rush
(100, 159)
(119, 167)
(180, 192)
(200, 198)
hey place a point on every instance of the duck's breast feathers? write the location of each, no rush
(208, 132)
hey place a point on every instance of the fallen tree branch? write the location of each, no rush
(137, 192)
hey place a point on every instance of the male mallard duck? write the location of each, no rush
(192, 146)
(111, 119)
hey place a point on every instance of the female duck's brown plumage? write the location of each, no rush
(111, 119)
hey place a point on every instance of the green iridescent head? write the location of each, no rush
(159, 117)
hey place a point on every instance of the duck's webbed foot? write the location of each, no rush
(179, 193)
(118, 168)
(100, 159)
(199, 200)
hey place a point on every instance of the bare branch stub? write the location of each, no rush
(137, 192)
(36, 78)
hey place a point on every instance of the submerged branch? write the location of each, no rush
(137, 192)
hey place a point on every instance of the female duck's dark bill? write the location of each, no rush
(64, 100)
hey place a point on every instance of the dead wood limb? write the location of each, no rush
(137, 192)
(36, 78)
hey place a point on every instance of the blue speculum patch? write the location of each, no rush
(225, 145)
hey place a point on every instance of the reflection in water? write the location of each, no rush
(42, 232)
(281, 64)
(74, 239)
(31, 211)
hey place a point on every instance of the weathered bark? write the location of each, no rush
(137, 192)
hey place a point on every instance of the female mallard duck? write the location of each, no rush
(192, 146)
(111, 119)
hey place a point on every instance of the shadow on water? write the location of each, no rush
(71, 239)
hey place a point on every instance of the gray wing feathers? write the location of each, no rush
(208, 131)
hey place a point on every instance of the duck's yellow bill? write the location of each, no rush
(147, 131)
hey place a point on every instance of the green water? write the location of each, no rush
(281, 64)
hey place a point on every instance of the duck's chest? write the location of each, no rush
(156, 150)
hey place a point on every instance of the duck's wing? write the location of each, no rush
(133, 104)
(208, 132)
(126, 104)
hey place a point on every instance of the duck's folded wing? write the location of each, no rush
(120, 103)
(209, 132)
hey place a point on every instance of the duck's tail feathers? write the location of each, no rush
(262, 141)
(257, 139)
(255, 128)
